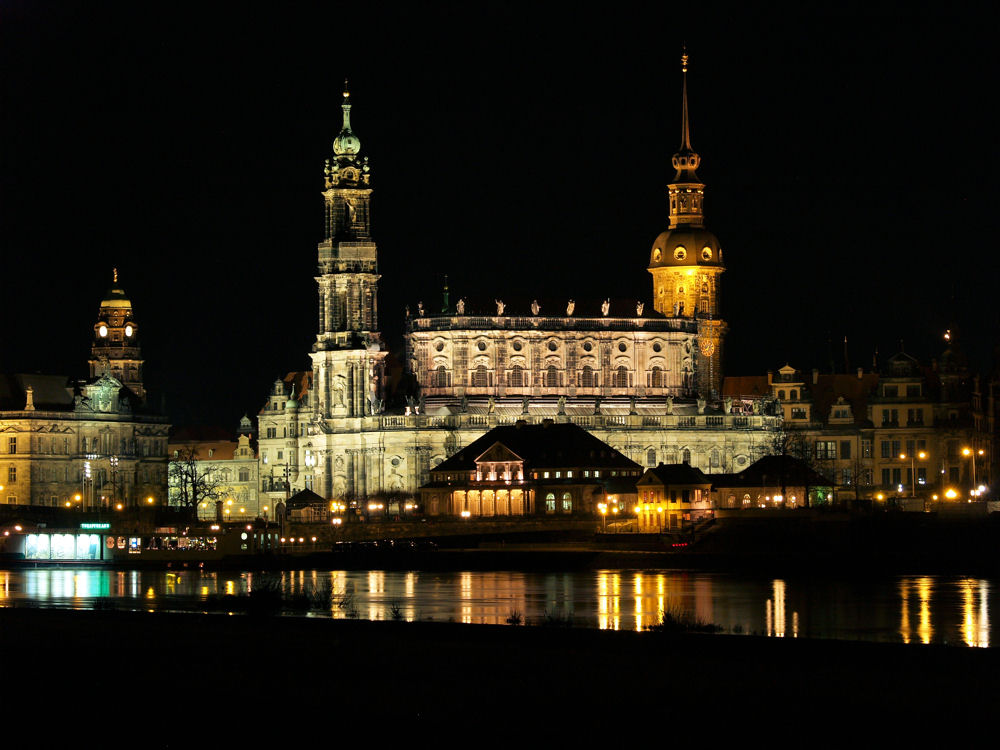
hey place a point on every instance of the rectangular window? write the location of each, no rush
(550, 506)
(897, 476)
(886, 449)
(890, 391)
(913, 391)
(11, 474)
(826, 449)
(309, 481)
(272, 432)
(798, 412)
(915, 416)
(586, 473)
(886, 477)
(866, 448)
(845, 476)
(12, 445)
(558, 474)
(597, 474)
(921, 476)
(545, 475)
(569, 474)
(896, 449)
(280, 455)
(845, 448)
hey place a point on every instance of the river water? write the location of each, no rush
(910, 609)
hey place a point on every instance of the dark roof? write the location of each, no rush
(854, 390)
(673, 474)
(200, 433)
(771, 471)
(745, 385)
(303, 499)
(546, 445)
(49, 392)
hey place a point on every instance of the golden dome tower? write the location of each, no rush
(686, 259)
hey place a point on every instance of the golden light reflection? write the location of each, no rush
(904, 610)
(924, 629)
(465, 587)
(4, 584)
(231, 588)
(975, 617)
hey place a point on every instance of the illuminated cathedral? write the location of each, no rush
(647, 382)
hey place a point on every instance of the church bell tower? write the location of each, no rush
(115, 347)
(349, 355)
(686, 260)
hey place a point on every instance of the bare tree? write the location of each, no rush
(192, 482)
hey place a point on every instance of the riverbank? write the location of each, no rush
(177, 680)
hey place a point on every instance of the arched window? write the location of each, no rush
(686, 456)
(552, 377)
(567, 503)
(587, 379)
(441, 377)
(714, 459)
(651, 457)
(656, 378)
(621, 377)
(550, 503)
(480, 377)
(746, 499)
(516, 377)
(781, 395)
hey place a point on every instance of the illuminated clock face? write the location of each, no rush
(102, 331)
(128, 330)
(707, 347)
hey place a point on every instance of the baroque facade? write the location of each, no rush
(87, 443)
(648, 383)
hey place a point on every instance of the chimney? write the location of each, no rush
(860, 372)
(30, 402)
(815, 376)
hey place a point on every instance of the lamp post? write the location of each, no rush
(972, 453)
(913, 471)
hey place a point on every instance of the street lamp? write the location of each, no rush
(913, 472)
(971, 453)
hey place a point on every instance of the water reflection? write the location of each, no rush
(911, 609)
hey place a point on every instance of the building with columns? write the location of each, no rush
(90, 443)
(646, 380)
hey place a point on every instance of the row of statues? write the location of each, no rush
(535, 308)
(415, 407)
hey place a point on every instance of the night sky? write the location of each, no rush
(850, 163)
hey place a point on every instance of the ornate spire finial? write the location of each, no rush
(685, 127)
(114, 274)
(347, 89)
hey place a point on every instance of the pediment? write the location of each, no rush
(498, 453)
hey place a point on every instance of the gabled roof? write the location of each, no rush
(546, 445)
(303, 499)
(498, 452)
(675, 474)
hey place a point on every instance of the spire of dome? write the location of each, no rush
(346, 145)
(685, 161)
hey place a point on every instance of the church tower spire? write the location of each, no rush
(686, 260)
(348, 356)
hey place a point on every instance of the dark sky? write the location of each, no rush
(850, 159)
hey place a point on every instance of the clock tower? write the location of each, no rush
(115, 348)
(349, 355)
(686, 260)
